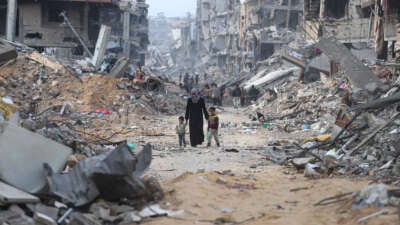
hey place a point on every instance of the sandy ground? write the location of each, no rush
(211, 185)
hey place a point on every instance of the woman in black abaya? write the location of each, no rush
(195, 109)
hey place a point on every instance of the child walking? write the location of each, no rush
(181, 131)
(213, 123)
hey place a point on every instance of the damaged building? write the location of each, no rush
(218, 34)
(68, 28)
(265, 26)
(172, 45)
(354, 21)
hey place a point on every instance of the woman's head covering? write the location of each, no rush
(196, 98)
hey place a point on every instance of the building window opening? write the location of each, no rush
(35, 35)
(337, 8)
(53, 11)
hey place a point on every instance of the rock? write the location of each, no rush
(44, 219)
(46, 215)
(300, 163)
(201, 171)
(120, 209)
(221, 180)
(84, 219)
(130, 218)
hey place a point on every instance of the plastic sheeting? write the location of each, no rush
(112, 176)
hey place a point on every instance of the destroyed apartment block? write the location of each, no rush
(218, 36)
(266, 26)
(353, 21)
(66, 28)
(172, 46)
(359, 75)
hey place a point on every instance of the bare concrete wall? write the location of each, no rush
(354, 24)
(38, 30)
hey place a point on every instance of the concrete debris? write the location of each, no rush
(7, 52)
(101, 45)
(119, 67)
(12, 217)
(339, 103)
(359, 75)
(33, 151)
(9, 194)
(372, 195)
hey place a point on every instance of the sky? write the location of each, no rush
(172, 8)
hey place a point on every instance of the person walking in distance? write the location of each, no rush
(236, 94)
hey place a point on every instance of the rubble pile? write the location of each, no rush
(353, 130)
(71, 127)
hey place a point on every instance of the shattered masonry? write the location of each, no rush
(349, 20)
(39, 24)
(218, 34)
(235, 36)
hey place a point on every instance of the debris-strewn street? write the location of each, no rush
(246, 112)
(238, 182)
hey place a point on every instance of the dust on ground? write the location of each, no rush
(213, 185)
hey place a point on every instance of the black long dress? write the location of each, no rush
(194, 113)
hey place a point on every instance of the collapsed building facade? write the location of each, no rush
(172, 45)
(265, 26)
(218, 34)
(354, 21)
(234, 36)
(51, 24)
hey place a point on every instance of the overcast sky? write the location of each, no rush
(171, 8)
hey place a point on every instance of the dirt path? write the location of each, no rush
(243, 187)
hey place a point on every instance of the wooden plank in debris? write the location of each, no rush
(10, 194)
(35, 56)
(359, 75)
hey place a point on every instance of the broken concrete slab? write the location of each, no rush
(264, 77)
(300, 163)
(44, 219)
(13, 217)
(101, 45)
(22, 154)
(119, 67)
(10, 194)
(359, 75)
(83, 219)
(7, 52)
(130, 218)
(51, 213)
